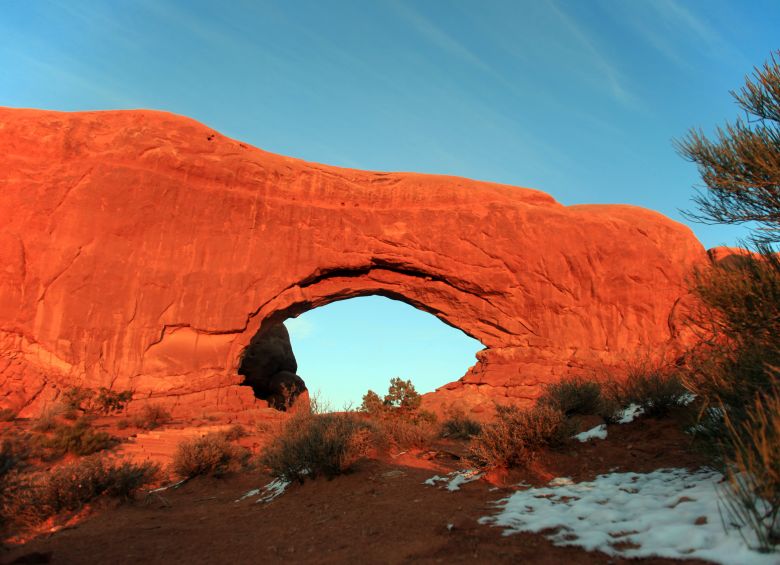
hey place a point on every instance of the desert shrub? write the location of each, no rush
(211, 455)
(401, 397)
(151, 416)
(313, 445)
(739, 322)
(236, 431)
(34, 497)
(372, 404)
(47, 421)
(7, 415)
(753, 496)
(75, 397)
(573, 396)
(733, 369)
(80, 438)
(13, 452)
(458, 425)
(654, 387)
(514, 437)
(108, 401)
(408, 429)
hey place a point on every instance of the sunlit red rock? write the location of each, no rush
(142, 250)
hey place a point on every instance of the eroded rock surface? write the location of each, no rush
(143, 250)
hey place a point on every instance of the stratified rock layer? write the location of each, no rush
(142, 250)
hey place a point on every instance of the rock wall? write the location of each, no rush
(143, 250)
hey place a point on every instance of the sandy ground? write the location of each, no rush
(380, 513)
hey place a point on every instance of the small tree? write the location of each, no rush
(734, 371)
(372, 404)
(741, 167)
(402, 395)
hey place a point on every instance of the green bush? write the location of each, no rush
(459, 426)
(407, 429)
(109, 401)
(372, 404)
(514, 437)
(733, 370)
(79, 438)
(32, 498)
(236, 431)
(739, 322)
(313, 445)
(13, 453)
(753, 496)
(151, 416)
(573, 396)
(657, 389)
(211, 455)
(401, 397)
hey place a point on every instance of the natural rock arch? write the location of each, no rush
(143, 250)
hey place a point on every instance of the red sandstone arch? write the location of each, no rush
(142, 250)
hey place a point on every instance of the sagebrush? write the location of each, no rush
(516, 435)
(30, 498)
(313, 445)
(210, 455)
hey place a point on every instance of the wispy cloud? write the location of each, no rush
(438, 37)
(675, 31)
(597, 59)
(676, 13)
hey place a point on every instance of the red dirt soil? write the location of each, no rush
(380, 513)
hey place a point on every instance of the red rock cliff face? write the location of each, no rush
(143, 250)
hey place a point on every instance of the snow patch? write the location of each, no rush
(630, 413)
(269, 492)
(273, 489)
(687, 398)
(455, 479)
(253, 492)
(599, 432)
(667, 513)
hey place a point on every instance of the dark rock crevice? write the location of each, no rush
(269, 367)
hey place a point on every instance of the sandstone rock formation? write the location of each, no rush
(142, 250)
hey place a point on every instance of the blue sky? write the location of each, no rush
(580, 99)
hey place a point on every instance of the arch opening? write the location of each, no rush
(351, 345)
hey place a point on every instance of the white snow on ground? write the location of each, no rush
(253, 492)
(630, 413)
(273, 489)
(599, 432)
(455, 479)
(173, 485)
(270, 491)
(687, 398)
(668, 513)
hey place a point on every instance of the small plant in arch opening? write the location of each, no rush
(401, 396)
